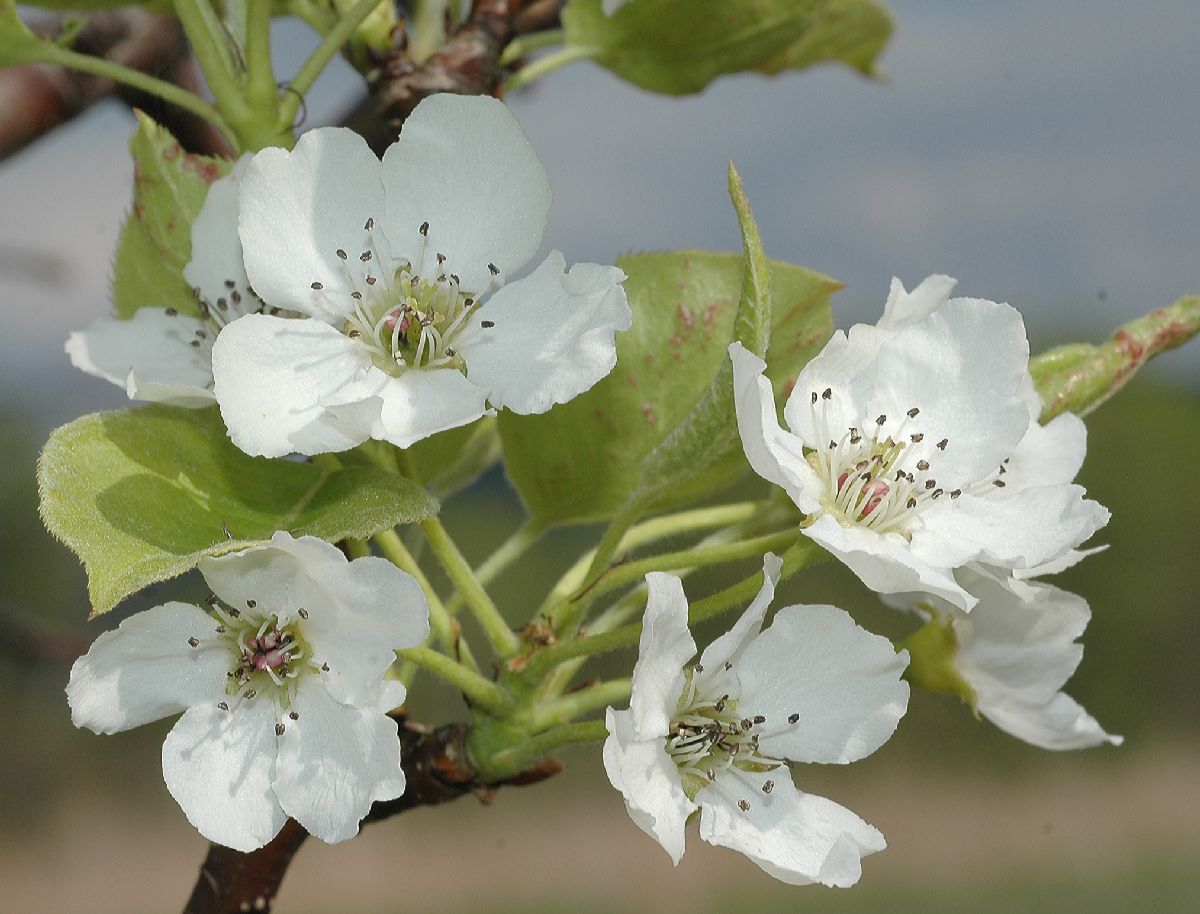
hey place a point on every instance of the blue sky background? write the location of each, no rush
(1045, 154)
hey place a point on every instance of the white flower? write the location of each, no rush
(915, 448)
(281, 684)
(813, 687)
(401, 268)
(1013, 654)
(159, 354)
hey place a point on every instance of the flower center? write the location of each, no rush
(406, 319)
(708, 735)
(269, 656)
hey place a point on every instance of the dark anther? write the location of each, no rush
(814, 396)
(941, 445)
(324, 667)
(356, 295)
(912, 502)
(234, 612)
(832, 444)
(827, 393)
(369, 224)
(744, 805)
(354, 334)
(248, 694)
(759, 719)
(768, 786)
(171, 312)
(341, 254)
(250, 604)
(882, 419)
(793, 718)
(450, 353)
(317, 286)
(937, 493)
(468, 302)
(279, 728)
(487, 325)
(916, 438)
(229, 284)
(211, 599)
(441, 258)
(364, 256)
(922, 465)
(912, 413)
(194, 642)
(424, 229)
(998, 483)
(294, 715)
(302, 612)
(495, 270)
(223, 705)
(457, 281)
(236, 296)
(222, 304)
(370, 280)
(956, 493)
(195, 344)
(930, 483)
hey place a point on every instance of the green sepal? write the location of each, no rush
(156, 240)
(581, 460)
(680, 46)
(933, 653)
(142, 495)
(1078, 377)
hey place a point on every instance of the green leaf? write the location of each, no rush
(702, 452)
(156, 240)
(142, 495)
(1078, 377)
(853, 32)
(680, 46)
(581, 460)
(16, 41)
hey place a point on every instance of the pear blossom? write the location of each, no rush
(914, 447)
(718, 736)
(1009, 658)
(160, 354)
(401, 269)
(281, 681)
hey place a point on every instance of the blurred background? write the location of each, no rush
(1046, 154)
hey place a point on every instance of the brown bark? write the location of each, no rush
(35, 98)
(437, 771)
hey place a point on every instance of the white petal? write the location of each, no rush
(370, 609)
(961, 367)
(887, 563)
(843, 682)
(218, 766)
(271, 376)
(1049, 454)
(216, 257)
(649, 782)
(297, 209)
(665, 646)
(151, 355)
(1059, 724)
(463, 165)
(279, 578)
(796, 837)
(775, 455)
(903, 308)
(145, 669)
(1010, 528)
(554, 335)
(729, 647)
(335, 760)
(421, 403)
(842, 376)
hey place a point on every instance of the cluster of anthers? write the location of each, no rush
(708, 736)
(406, 320)
(869, 482)
(270, 655)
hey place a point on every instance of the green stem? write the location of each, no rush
(319, 59)
(507, 553)
(397, 553)
(566, 708)
(526, 44)
(260, 84)
(210, 45)
(356, 548)
(428, 30)
(479, 691)
(509, 762)
(497, 630)
(48, 52)
(545, 65)
(692, 558)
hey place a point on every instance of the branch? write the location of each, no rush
(36, 98)
(437, 771)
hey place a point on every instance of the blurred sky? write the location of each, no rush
(1046, 154)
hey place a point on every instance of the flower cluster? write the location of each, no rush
(281, 681)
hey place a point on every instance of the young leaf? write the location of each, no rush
(680, 46)
(1078, 377)
(142, 495)
(581, 460)
(156, 240)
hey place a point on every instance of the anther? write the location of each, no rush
(487, 325)
(441, 258)
(728, 667)
(450, 353)
(699, 669)
(493, 269)
(956, 493)
(712, 775)
(746, 725)
(468, 302)
(250, 604)
(916, 437)
(937, 493)
(457, 281)
(768, 786)
(356, 295)
(248, 694)
(229, 284)
(224, 706)
(814, 396)
(302, 613)
(171, 312)
(279, 728)
(744, 805)
(194, 642)
(930, 483)
(998, 483)
(371, 280)
(369, 224)
(912, 503)
(195, 344)
(922, 465)
(364, 256)
(912, 413)
(294, 715)
(236, 613)
(882, 419)
(324, 667)
(211, 599)
(827, 393)
(341, 254)
(793, 718)
(236, 296)
(941, 445)
(759, 719)
(222, 304)
(424, 229)
(220, 629)
(317, 286)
